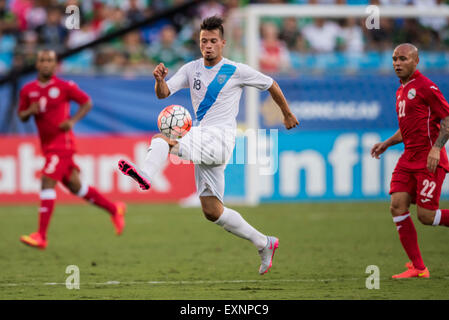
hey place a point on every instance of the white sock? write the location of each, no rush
(47, 194)
(437, 219)
(233, 222)
(83, 190)
(155, 158)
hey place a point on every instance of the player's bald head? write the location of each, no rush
(405, 60)
(46, 52)
(407, 49)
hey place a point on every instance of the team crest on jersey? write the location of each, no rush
(53, 92)
(411, 93)
(221, 78)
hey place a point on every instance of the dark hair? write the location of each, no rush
(213, 23)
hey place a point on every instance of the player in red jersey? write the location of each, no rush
(423, 115)
(47, 99)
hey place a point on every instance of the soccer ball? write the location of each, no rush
(174, 121)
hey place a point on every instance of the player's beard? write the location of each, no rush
(45, 76)
(211, 58)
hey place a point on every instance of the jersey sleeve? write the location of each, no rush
(24, 101)
(76, 94)
(436, 101)
(253, 78)
(179, 80)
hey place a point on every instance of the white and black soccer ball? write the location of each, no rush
(174, 121)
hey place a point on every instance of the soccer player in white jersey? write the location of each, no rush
(216, 85)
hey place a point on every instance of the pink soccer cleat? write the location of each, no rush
(130, 169)
(267, 254)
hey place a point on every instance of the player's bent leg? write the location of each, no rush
(116, 210)
(154, 161)
(212, 207)
(234, 223)
(426, 216)
(428, 198)
(400, 203)
(157, 154)
(48, 197)
(439, 217)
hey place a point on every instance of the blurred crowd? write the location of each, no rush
(27, 25)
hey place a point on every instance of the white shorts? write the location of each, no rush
(210, 149)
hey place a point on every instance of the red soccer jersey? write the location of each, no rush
(420, 106)
(54, 108)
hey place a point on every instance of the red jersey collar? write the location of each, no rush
(43, 85)
(415, 75)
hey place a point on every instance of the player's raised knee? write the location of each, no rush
(171, 143)
(160, 136)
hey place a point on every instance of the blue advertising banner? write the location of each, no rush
(322, 165)
(340, 102)
(326, 158)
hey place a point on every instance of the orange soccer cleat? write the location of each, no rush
(412, 272)
(118, 219)
(34, 240)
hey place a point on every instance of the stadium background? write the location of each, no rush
(338, 78)
(336, 75)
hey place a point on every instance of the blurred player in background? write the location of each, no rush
(48, 100)
(423, 115)
(216, 85)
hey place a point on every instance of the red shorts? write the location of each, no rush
(59, 167)
(423, 186)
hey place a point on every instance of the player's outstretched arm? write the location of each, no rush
(433, 159)
(161, 88)
(276, 93)
(380, 147)
(82, 111)
(33, 109)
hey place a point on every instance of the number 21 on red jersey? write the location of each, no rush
(401, 109)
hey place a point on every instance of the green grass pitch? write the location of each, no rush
(168, 252)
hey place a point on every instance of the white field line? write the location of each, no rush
(182, 282)
(190, 282)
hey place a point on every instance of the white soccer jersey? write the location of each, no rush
(216, 91)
